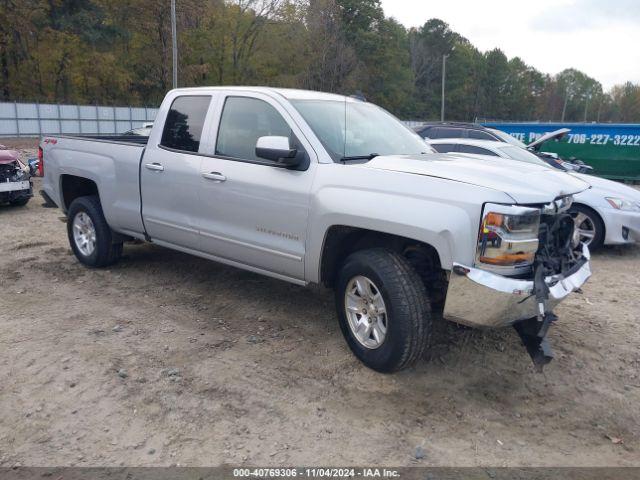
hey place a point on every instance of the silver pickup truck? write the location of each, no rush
(313, 188)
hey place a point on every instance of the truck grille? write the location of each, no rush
(556, 250)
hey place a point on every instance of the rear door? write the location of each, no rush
(170, 174)
(253, 212)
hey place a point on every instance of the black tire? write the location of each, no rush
(407, 304)
(21, 202)
(594, 217)
(106, 252)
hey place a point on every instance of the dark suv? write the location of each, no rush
(456, 130)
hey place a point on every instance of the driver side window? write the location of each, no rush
(243, 121)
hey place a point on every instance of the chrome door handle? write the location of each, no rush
(215, 176)
(154, 166)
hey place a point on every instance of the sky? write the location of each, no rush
(599, 37)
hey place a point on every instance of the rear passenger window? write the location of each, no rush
(243, 121)
(475, 150)
(183, 127)
(443, 147)
(480, 135)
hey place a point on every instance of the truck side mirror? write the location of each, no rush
(276, 149)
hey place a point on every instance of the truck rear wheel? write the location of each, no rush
(89, 234)
(383, 309)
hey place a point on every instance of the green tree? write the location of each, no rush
(119, 52)
(625, 100)
(427, 45)
(495, 84)
(465, 71)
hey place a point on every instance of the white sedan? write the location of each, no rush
(606, 214)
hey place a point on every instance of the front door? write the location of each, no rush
(254, 213)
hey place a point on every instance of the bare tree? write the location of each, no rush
(423, 62)
(331, 60)
(251, 16)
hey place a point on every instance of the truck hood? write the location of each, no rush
(525, 183)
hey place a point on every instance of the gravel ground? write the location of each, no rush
(168, 359)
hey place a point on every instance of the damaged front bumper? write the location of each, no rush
(17, 190)
(478, 298)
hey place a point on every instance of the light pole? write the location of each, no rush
(586, 105)
(566, 101)
(174, 41)
(444, 73)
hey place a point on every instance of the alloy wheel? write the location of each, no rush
(366, 312)
(585, 227)
(84, 233)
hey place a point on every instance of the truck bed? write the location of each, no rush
(110, 162)
(123, 139)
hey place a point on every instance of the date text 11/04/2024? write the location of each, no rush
(316, 472)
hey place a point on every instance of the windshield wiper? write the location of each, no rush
(359, 157)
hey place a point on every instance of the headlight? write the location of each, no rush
(622, 204)
(508, 237)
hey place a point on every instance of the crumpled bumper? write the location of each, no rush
(10, 191)
(478, 298)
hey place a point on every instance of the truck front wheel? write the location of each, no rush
(383, 308)
(89, 234)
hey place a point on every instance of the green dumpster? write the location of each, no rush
(613, 150)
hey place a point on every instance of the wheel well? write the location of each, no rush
(73, 187)
(595, 212)
(341, 241)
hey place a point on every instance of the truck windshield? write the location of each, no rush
(358, 130)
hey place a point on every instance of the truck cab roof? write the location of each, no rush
(288, 93)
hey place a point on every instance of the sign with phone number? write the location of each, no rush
(622, 135)
(601, 139)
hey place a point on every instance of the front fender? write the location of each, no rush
(448, 228)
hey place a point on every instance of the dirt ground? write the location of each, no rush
(168, 359)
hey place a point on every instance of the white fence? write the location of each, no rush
(33, 119)
(413, 123)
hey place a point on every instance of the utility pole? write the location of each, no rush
(586, 106)
(174, 41)
(444, 74)
(566, 100)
